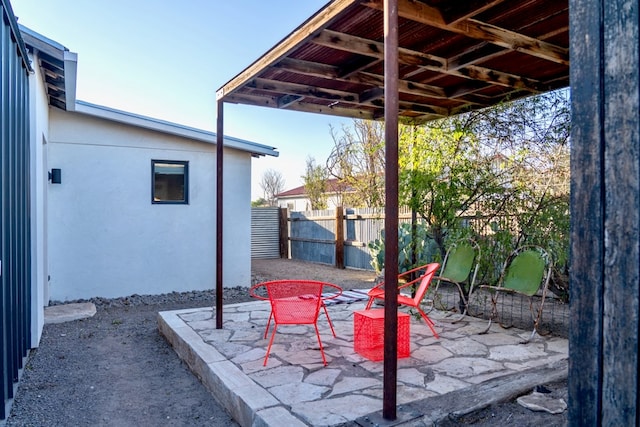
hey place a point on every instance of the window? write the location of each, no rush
(169, 182)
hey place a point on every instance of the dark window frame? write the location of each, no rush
(185, 200)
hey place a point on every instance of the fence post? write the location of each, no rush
(284, 232)
(339, 237)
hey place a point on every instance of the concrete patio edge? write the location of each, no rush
(248, 403)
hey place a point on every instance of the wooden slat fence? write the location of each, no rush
(312, 234)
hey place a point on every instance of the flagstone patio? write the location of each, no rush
(295, 389)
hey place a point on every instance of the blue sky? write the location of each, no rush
(166, 59)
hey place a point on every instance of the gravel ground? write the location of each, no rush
(114, 369)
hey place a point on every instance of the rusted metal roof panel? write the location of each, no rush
(453, 56)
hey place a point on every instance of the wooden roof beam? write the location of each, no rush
(288, 100)
(454, 11)
(303, 90)
(366, 47)
(336, 110)
(368, 98)
(308, 68)
(330, 72)
(432, 16)
(485, 51)
(358, 65)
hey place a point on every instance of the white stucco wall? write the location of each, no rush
(107, 239)
(38, 135)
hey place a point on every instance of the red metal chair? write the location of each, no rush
(424, 280)
(295, 302)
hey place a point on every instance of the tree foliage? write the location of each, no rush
(357, 161)
(504, 168)
(500, 174)
(272, 183)
(260, 202)
(315, 184)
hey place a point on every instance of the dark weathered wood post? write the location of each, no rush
(605, 213)
(339, 237)
(284, 232)
(391, 104)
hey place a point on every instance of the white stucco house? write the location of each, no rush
(125, 204)
(297, 200)
(98, 202)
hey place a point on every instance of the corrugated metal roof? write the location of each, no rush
(454, 56)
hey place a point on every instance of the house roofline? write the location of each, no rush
(119, 116)
(61, 90)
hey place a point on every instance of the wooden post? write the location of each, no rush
(284, 232)
(605, 213)
(391, 105)
(339, 237)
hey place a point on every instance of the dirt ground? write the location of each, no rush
(274, 269)
(115, 369)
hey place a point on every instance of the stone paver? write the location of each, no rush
(296, 389)
(68, 312)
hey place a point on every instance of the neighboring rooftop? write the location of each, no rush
(333, 186)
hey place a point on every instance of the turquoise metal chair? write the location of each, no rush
(460, 268)
(526, 272)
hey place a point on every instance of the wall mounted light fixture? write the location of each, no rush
(55, 176)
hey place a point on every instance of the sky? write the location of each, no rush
(166, 59)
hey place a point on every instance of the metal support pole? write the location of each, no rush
(391, 209)
(219, 210)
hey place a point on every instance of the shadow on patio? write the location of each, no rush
(456, 374)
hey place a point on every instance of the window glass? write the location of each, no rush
(169, 181)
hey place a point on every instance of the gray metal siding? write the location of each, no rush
(265, 233)
(15, 233)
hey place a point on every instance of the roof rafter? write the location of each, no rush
(432, 16)
(377, 81)
(362, 46)
(296, 92)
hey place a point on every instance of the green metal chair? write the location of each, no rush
(526, 272)
(459, 267)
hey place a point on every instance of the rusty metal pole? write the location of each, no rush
(219, 210)
(391, 210)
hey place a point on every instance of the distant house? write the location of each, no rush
(296, 199)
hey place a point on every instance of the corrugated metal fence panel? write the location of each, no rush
(15, 284)
(265, 233)
(312, 236)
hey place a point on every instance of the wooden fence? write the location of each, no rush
(340, 237)
(335, 237)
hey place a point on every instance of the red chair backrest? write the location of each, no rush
(295, 301)
(425, 281)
